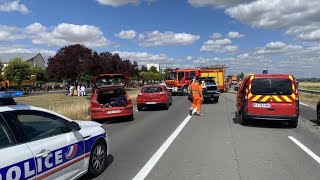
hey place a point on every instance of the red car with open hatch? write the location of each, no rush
(109, 98)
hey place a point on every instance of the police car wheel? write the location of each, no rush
(98, 159)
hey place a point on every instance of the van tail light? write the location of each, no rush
(140, 94)
(95, 104)
(247, 91)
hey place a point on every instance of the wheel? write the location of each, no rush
(318, 114)
(140, 108)
(185, 90)
(166, 107)
(170, 101)
(98, 159)
(130, 118)
(243, 120)
(293, 124)
(216, 100)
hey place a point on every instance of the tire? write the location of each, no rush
(293, 124)
(184, 90)
(243, 120)
(130, 118)
(170, 101)
(139, 108)
(215, 100)
(318, 114)
(166, 106)
(98, 159)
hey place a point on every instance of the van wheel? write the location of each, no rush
(140, 108)
(318, 115)
(166, 106)
(184, 90)
(215, 100)
(98, 159)
(293, 124)
(130, 118)
(243, 120)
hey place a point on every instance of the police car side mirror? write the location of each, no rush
(74, 126)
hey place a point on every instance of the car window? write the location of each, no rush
(192, 74)
(39, 125)
(6, 138)
(151, 89)
(180, 75)
(272, 86)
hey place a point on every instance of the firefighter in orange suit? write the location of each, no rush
(197, 97)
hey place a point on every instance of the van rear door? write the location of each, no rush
(272, 96)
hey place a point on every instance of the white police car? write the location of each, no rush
(36, 143)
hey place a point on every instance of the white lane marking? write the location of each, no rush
(304, 104)
(307, 150)
(155, 158)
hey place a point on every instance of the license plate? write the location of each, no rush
(151, 103)
(113, 112)
(260, 105)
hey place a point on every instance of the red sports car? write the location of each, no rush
(154, 95)
(109, 98)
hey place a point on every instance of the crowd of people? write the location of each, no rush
(79, 90)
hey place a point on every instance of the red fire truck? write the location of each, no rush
(179, 79)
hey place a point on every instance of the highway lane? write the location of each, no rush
(213, 146)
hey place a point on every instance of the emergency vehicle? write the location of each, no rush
(36, 143)
(178, 80)
(268, 97)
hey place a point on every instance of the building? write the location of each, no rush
(155, 65)
(34, 59)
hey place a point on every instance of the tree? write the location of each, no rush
(39, 73)
(70, 62)
(1, 70)
(240, 76)
(143, 68)
(153, 69)
(17, 70)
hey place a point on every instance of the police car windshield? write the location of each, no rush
(272, 86)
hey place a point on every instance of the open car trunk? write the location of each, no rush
(112, 97)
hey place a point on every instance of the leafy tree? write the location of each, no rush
(39, 73)
(1, 70)
(143, 68)
(153, 69)
(17, 70)
(70, 62)
(240, 76)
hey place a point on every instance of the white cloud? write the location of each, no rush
(189, 58)
(130, 34)
(13, 5)
(7, 33)
(219, 46)
(157, 38)
(117, 3)
(35, 28)
(216, 36)
(216, 3)
(65, 34)
(299, 18)
(23, 49)
(235, 35)
(278, 48)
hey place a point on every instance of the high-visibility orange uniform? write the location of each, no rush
(196, 88)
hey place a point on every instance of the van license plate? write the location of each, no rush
(260, 105)
(151, 103)
(113, 112)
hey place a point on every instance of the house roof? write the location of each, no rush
(5, 57)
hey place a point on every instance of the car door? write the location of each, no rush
(17, 161)
(58, 151)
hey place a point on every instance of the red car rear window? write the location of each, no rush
(272, 86)
(151, 89)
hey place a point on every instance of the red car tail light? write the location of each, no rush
(95, 104)
(162, 93)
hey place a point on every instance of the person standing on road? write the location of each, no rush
(197, 96)
(83, 90)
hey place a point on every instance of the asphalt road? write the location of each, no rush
(213, 146)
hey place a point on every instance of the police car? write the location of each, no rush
(36, 143)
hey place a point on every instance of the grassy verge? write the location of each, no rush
(311, 99)
(310, 86)
(74, 107)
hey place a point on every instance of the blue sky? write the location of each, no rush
(249, 35)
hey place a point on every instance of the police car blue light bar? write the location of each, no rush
(10, 94)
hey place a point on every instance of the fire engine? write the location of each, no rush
(178, 80)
